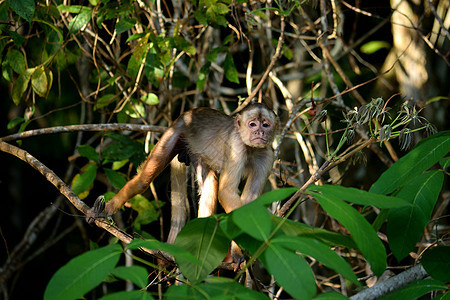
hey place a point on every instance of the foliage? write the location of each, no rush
(103, 61)
(283, 253)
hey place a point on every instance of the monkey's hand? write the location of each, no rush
(97, 211)
(237, 255)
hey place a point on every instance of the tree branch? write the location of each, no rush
(84, 127)
(394, 283)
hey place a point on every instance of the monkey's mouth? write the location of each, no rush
(259, 140)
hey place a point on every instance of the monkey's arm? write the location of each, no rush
(161, 155)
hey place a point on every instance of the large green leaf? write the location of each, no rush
(330, 238)
(204, 239)
(406, 224)
(136, 274)
(83, 273)
(319, 251)
(133, 295)
(436, 262)
(360, 197)
(213, 288)
(253, 219)
(415, 290)
(330, 296)
(422, 157)
(362, 232)
(290, 270)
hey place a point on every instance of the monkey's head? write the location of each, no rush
(256, 125)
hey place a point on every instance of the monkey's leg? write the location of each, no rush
(208, 199)
(178, 198)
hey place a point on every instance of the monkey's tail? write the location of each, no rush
(178, 198)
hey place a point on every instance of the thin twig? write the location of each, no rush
(269, 68)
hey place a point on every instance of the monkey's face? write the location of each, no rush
(256, 127)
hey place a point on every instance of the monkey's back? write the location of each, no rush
(209, 135)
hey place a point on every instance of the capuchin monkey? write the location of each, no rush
(223, 150)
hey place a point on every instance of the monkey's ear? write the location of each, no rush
(237, 121)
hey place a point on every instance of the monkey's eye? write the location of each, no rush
(266, 125)
(252, 124)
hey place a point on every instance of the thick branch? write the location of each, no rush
(392, 284)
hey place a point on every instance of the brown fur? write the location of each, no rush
(223, 150)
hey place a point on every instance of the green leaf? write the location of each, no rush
(203, 75)
(124, 295)
(104, 101)
(204, 239)
(406, 224)
(290, 271)
(89, 152)
(14, 122)
(24, 8)
(445, 162)
(319, 251)
(436, 262)
(125, 25)
(136, 274)
(230, 69)
(183, 45)
(415, 290)
(150, 99)
(80, 20)
(330, 296)
(83, 182)
(147, 211)
(359, 196)
(217, 288)
(21, 85)
(179, 253)
(424, 155)
(17, 38)
(117, 180)
(39, 82)
(362, 232)
(373, 46)
(82, 273)
(254, 220)
(330, 238)
(15, 59)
